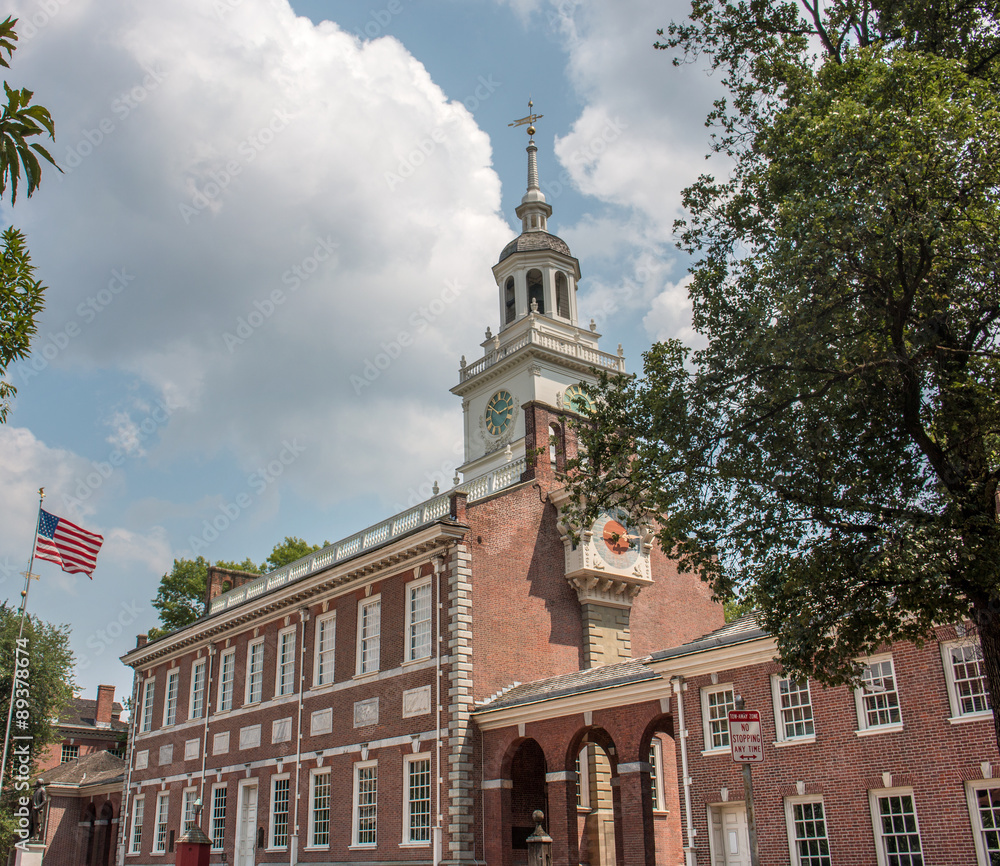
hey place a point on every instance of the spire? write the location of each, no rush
(534, 211)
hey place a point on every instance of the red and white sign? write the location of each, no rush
(745, 740)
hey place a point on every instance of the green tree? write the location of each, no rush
(833, 450)
(20, 292)
(45, 653)
(289, 550)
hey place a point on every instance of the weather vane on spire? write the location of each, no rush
(530, 120)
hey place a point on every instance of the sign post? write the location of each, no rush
(746, 743)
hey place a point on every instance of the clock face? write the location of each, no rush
(576, 399)
(499, 412)
(616, 539)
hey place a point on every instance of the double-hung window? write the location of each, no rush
(170, 698)
(138, 809)
(255, 671)
(196, 704)
(279, 811)
(656, 774)
(187, 809)
(418, 620)
(160, 831)
(227, 672)
(877, 698)
(984, 809)
(319, 809)
(716, 702)
(417, 803)
(966, 677)
(285, 678)
(365, 803)
(808, 840)
(793, 715)
(148, 694)
(220, 794)
(369, 632)
(897, 834)
(326, 637)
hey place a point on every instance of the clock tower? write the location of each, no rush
(539, 352)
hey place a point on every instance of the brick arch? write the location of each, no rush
(599, 737)
(103, 854)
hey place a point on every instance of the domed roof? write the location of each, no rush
(532, 241)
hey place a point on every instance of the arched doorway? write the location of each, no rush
(85, 836)
(599, 821)
(527, 775)
(104, 852)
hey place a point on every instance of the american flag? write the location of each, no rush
(67, 545)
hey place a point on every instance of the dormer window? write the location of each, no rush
(535, 290)
(510, 309)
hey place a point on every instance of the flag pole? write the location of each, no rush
(20, 632)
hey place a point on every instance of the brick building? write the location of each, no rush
(323, 713)
(86, 727)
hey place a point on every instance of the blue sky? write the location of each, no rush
(259, 199)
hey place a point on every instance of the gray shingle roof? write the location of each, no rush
(94, 769)
(745, 628)
(532, 241)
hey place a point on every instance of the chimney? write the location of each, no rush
(105, 702)
(222, 580)
(141, 640)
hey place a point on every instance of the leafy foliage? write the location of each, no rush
(289, 550)
(832, 452)
(20, 303)
(49, 691)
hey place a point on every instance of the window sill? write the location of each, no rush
(794, 741)
(970, 717)
(320, 689)
(414, 845)
(281, 850)
(367, 847)
(723, 751)
(316, 848)
(367, 675)
(880, 729)
(410, 662)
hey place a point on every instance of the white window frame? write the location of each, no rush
(138, 813)
(706, 693)
(971, 791)
(311, 838)
(954, 699)
(583, 779)
(148, 696)
(254, 690)
(408, 839)
(411, 588)
(196, 698)
(376, 638)
(325, 651)
(781, 734)
(864, 726)
(226, 659)
(219, 815)
(793, 848)
(68, 752)
(286, 637)
(272, 844)
(656, 774)
(873, 800)
(360, 766)
(170, 703)
(187, 800)
(160, 821)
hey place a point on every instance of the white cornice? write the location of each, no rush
(761, 650)
(346, 577)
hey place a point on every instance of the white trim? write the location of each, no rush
(188, 795)
(162, 797)
(226, 687)
(285, 636)
(705, 691)
(321, 620)
(971, 787)
(272, 845)
(311, 843)
(656, 774)
(254, 673)
(717, 658)
(170, 710)
(407, 761)
(859, 693)
(790, 804)
(360, 669)
(225, 815)
(148, 697)
(202, 663)
(874, 796)
(411, 587)
(949, 676)
(241, 807)
(356, 798)
(139, 800)
(781, 736)
(582, 779)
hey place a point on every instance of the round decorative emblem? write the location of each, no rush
(616, 539)
(576, 399)
(499, 412)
